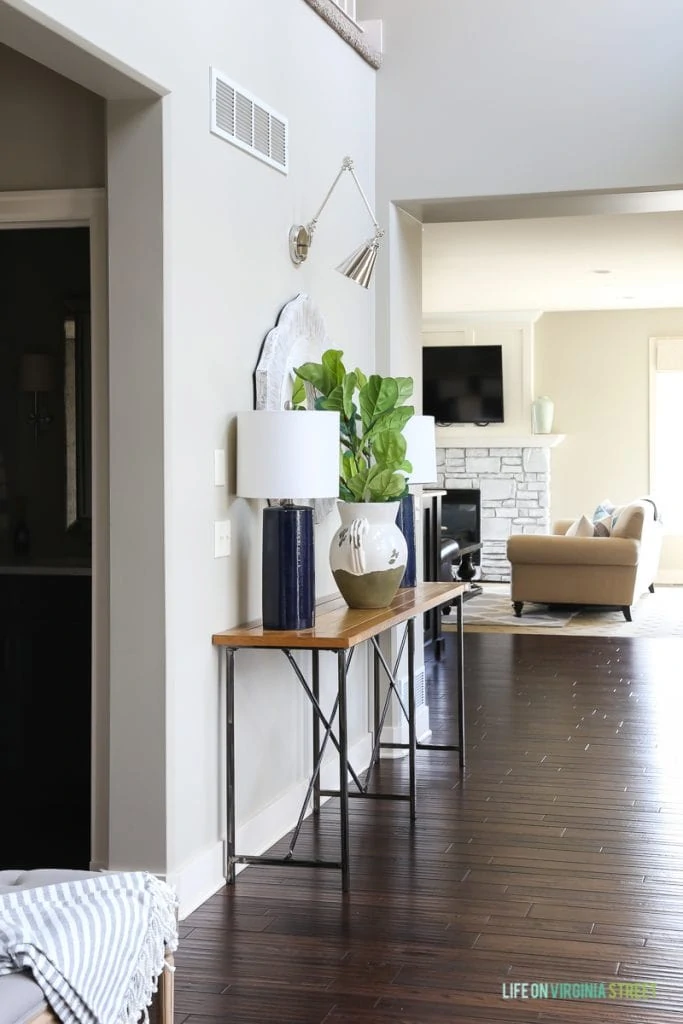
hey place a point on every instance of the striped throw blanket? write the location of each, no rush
(95, 946)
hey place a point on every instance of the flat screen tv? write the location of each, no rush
(463, 383)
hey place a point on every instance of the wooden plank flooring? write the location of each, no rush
(557, 859)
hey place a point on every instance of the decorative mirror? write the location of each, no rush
(299, 336)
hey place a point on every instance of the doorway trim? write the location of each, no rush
(87, 208)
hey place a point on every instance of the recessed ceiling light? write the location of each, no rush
(602, 271)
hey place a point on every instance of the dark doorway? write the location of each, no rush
(45, 548)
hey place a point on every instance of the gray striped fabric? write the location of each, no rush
(95, 946)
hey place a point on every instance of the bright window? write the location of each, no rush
(667, 431)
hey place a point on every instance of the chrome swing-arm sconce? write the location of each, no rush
(360, 264)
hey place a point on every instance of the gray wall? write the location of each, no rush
(497, 98)
(52, 130)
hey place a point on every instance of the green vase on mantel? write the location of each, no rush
(542, 412)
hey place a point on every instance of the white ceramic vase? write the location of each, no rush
(542, 412)
(368, 553)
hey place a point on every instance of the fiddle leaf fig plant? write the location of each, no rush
(372, 415)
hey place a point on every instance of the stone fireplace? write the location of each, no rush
(514, 481)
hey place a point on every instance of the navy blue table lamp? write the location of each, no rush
(284, 457)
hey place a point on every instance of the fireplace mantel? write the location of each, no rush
(450, 437)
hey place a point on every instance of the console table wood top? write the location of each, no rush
(338, 627)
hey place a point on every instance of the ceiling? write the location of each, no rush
(554, 263)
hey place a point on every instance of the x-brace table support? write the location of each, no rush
(340, 630)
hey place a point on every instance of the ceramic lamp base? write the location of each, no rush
(288, 568)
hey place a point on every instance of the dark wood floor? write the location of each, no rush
(558, 858)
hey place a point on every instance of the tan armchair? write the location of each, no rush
(612, 571)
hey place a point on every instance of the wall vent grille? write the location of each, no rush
(420, 689)
(248, 123)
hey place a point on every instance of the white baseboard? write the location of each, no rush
(670, 578)
(203, 876)
(198, 880)
(399, 733)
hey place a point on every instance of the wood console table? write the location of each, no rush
(340, 630)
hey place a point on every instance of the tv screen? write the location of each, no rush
(463, 383)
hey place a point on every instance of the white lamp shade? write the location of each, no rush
(420, 435)
(287, 455)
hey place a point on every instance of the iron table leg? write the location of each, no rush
(376, 722)
(229, 865)
(316, 727)
(343, 771)
(412, 739)
(461, 683)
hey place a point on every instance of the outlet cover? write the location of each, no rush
(221, 538)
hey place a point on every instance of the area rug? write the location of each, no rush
(654, 615)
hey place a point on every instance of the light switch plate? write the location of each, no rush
(221, 538)
(219, 467)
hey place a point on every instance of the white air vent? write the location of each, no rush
(420, 689)
(247, 122)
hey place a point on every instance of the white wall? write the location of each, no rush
(595, 366)
(52, 129)
(494, 98)
(206, 278)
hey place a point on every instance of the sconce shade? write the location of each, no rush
(37, 372)
(287, 455)
(420, 435)
(360, 264)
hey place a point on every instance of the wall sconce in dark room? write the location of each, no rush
(37, 377)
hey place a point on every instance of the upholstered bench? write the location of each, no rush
(21, 999)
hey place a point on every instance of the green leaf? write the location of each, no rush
(315, 374)
(357, 485)
(334, 401)
(395, 419)
(349, 466)
(344, 493)
(332, 362)
(384, 485)
(389, 449)
(348, 388)
(405, 388)
(326, 375)
(361, 378)
(298, 393)
(379, 395)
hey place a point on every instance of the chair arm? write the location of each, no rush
(529, 549)
(561, 526)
